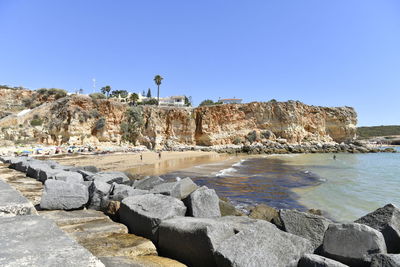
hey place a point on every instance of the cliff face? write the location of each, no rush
(82, 120)
(74, 120)
(14, 100)
(11, 100)
(291, 120)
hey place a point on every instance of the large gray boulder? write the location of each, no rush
(148, 182)
(64, 196)
(91, 169)
(86, 174)
(192, 241)
(312, 260)
(121, 191)
(6, 159)
(262, 244)
(17, 162)
(265, 212)
(109, 177)
(68, 176)
(13, 161)
(387, 221)
(23, 164)
(353, 244)
(98, 190)
(309, 226)
(34, 169)
(47, 173)
(203, 203)
(143, 214)
(179, 189)
(228, 209)
(386, 260)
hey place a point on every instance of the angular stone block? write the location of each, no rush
(352, 244)
(69, 177)
(148, 182)
(387, 221)
(312, 260)
(262, 244)
(192, 241)
(109, 177)
(203, 203)
(265, 212)
(309, 226)
(121, 191)
(97, 191)
(63, 195)
(35, 168)
(179, 189)
(142, 214)
(385, 260)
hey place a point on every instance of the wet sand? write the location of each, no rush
(150, 164)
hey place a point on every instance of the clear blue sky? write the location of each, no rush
(329, 53)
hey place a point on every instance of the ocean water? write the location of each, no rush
(345, 189)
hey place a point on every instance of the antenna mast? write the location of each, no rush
(94, 85)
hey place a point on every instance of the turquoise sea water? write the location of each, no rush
(345, 188)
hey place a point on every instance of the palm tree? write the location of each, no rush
(157, 80)
(133, 98)
(106, 90)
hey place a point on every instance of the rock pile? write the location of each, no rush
(184, 221)
(283, 147)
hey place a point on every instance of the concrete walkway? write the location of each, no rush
(31, 240)
(13, 203)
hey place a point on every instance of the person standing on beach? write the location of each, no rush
(141, 157)
(159, 155)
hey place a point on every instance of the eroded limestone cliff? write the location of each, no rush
(81, 120)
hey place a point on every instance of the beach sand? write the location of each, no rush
(151, 164)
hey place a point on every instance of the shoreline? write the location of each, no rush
(176, 161)
(150, 164)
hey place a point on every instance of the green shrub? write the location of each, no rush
(151, 101)
(36, 122)
(117, 93)
(372, 131)
(206, 102)
(237, 140)
(57, 93)
(94, 113)
(97, 96)
(100, 124)
(83, 116)
(131, 127)
(28, 101)
(251, 136)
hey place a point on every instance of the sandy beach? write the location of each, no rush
(149, 164)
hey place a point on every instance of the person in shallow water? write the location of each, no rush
(334, 157)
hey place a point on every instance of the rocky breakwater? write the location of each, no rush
(185, 223)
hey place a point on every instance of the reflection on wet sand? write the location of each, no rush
(165, 166)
